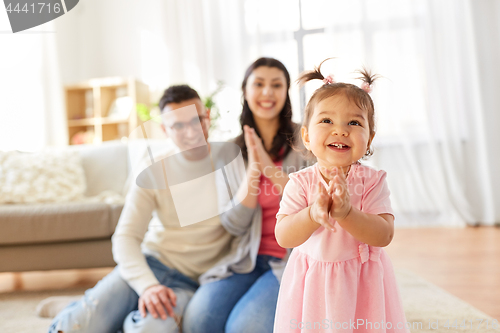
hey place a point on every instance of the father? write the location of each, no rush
(157, 269)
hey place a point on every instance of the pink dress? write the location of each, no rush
(333, 282)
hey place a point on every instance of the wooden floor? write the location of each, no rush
(465, 262)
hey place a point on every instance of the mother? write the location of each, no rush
(240, 294)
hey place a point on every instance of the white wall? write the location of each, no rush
(99, 38)
(145, 38)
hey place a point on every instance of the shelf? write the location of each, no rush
(113, 121)
(93, 121)
(88, 104)
(81, 122)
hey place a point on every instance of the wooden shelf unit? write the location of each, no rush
(100, 94)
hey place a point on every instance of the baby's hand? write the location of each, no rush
(339, 194)
(319, 210)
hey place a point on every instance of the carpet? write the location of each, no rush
(17, 310)
(427, 308)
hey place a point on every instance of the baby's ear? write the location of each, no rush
(305, 137)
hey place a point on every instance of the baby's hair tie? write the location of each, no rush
(328, 80)
(366, 87)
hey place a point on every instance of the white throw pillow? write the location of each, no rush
(105, 166)
(47, 176)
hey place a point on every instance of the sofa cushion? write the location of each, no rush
(57, 222)
(105, 165)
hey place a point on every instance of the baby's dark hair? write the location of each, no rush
(352, 92)
(177, 94)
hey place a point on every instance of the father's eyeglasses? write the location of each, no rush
(194, 124)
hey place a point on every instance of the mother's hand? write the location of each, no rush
(254, 165)
(260, 151)
(248, 192)
(267, 167)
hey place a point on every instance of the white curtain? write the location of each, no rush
(434, 133)
(31, 104)
(438, 167)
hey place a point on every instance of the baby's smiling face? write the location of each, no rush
(338, 133)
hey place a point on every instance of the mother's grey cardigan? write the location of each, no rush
(246, 224)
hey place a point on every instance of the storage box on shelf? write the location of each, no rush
(103, 109)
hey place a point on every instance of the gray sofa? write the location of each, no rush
(67, 235)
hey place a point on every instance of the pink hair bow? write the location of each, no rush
(366, 87)
(328, 80)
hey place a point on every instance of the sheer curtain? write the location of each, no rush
(431, 136)
(448, 160)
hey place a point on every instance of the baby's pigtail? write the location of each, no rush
(312, 75)
(368, 78)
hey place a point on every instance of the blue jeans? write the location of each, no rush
(240, 303)
(112, 305)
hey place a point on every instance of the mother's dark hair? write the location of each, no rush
(285, 137)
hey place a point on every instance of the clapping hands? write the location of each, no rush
(258, 157)
(252, 142)
(333, 201)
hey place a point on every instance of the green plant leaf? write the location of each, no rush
(143, 112)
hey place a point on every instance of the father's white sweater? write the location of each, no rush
(149, 224)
